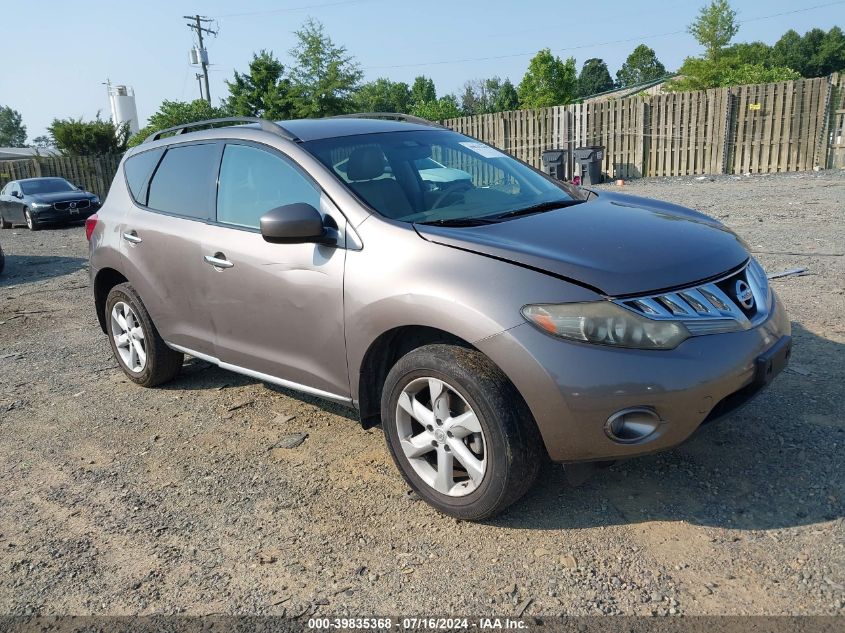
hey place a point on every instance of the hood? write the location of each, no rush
(59, 196)
(615, 243)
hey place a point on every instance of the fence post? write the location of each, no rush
(727, 144)
(823, 141)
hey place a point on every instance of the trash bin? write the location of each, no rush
(556, 163)
(588, 161)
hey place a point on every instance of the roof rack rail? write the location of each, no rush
(397, 116)
(264, 124)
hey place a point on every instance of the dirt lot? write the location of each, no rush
(120, 500)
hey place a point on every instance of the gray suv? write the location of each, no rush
(488, 318)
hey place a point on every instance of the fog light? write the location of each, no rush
(629, 426)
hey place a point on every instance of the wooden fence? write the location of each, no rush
(766, 128)
(92, 173)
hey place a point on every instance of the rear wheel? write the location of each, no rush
(139, 349)
(31, 222)
(459, 431)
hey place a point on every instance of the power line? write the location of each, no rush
(290, 9)
(593, 44)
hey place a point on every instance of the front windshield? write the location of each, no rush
(46, 185)
(438, 176)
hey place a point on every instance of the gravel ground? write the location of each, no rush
(119, 500)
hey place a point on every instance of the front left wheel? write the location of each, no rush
(459, 431)
(139, 349)
(31, 223)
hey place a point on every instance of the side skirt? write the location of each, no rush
(264, 377)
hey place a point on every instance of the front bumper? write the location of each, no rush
(572, 388)
(49, 215)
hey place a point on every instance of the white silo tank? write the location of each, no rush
(123, 110)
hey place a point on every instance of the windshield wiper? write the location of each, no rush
(458, 222)
(540, 207)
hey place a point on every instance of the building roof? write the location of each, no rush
(19, 153)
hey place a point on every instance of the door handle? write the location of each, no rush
(132, 237)
(218, 260)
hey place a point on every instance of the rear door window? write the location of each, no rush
(254, 181)
(184, 182)
(138, 170)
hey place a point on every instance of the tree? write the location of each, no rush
(445, 107)
(815, 54)
(423, 91)
(264, 91)
(383, 95)
(548, 81)
(714, 27)
(12, 130)
(507, 98)
(42, 142)
(172, 113)
(324, 77)
(594, 78)
(75, 137)
(700, 74)
(758, 53)
(641, 66)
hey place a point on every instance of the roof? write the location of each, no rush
(17, 153)
(315, 129)
(628, 91)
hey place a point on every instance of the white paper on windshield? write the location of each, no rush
(483, 150)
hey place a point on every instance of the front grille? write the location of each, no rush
(738, 301)
(71, 205)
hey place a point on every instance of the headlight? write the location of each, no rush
(605, 323)
(40, 205)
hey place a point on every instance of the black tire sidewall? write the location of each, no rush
(497, 423)
(125, 293)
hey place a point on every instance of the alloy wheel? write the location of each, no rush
(29, 221)
(129, 338)
(441, 437)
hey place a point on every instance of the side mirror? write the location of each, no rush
(296, 223)
(17, 194)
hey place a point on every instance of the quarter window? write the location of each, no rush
(138, 170)
(183, 182)
(253, 181)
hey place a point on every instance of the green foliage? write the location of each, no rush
(445, 107)
(594, 78)
(383, 95)
(641, 66)
(714, 27)
(483, 96)
(264, 91)
(171, 113)
(815, 54)
(324, 77)
(12, 130)
(700, 74)
(758, 53)
(549, 81)
(42, 142)
(75, 137)
(423, 91)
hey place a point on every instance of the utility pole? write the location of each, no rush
(197, 25)
(199, 81)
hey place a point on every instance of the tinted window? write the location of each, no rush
(183, 182)
(46, 185)
(253, 181)
(138, 169)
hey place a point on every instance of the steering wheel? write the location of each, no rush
(448, 190)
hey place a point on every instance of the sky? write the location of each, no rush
(58, 54)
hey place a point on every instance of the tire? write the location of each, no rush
(4, 224)
(507, 448)
(2, 260)
(161, 363)
(31, 222)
